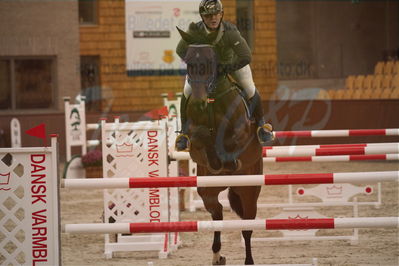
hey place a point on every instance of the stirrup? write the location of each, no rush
(182, 143)
(265, 133)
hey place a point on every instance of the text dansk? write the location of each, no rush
(39, 205)
(153, 162)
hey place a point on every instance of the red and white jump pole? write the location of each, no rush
(229, 181)
(329, 146)
(337, 133)
(234, 225)
(369, 150)
(335, 158)
(335, 152)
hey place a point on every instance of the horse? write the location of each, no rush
(223, 138)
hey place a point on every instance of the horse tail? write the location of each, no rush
(235, 203)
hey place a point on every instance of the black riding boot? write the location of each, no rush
(264, 131)
(182, 142)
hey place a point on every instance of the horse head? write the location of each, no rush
(201, 63)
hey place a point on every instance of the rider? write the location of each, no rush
(234, 57)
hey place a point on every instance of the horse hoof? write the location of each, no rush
(249, 261)
(221, 261)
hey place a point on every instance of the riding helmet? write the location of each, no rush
(210, 7)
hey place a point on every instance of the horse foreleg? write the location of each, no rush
(216, 247)
(249, 199)
(248, 249)
(213, 206)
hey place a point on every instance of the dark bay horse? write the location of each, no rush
(223, 139)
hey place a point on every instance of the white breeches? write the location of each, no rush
(243, 77)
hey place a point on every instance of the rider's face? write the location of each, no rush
(212, 21)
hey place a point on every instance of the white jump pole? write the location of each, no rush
(337, 133)
(234, 225)
(224, 181)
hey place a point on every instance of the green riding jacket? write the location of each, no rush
(231, 48)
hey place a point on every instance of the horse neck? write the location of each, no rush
(223, 84)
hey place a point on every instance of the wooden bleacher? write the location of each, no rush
(382, 84)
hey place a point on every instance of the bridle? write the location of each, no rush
(210, 83)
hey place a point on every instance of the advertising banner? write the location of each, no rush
(152, 37)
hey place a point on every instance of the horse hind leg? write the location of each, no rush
(213, 206)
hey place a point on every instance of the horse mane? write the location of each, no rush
(196, 37)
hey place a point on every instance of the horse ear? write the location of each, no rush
(185, 36)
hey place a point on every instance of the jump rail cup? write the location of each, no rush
(223, 181)
(234, 225)
(337, 133)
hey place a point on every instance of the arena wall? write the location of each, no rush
(107, 40)
(292, 115)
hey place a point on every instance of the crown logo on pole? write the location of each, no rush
(334, 190)
(124, 148)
